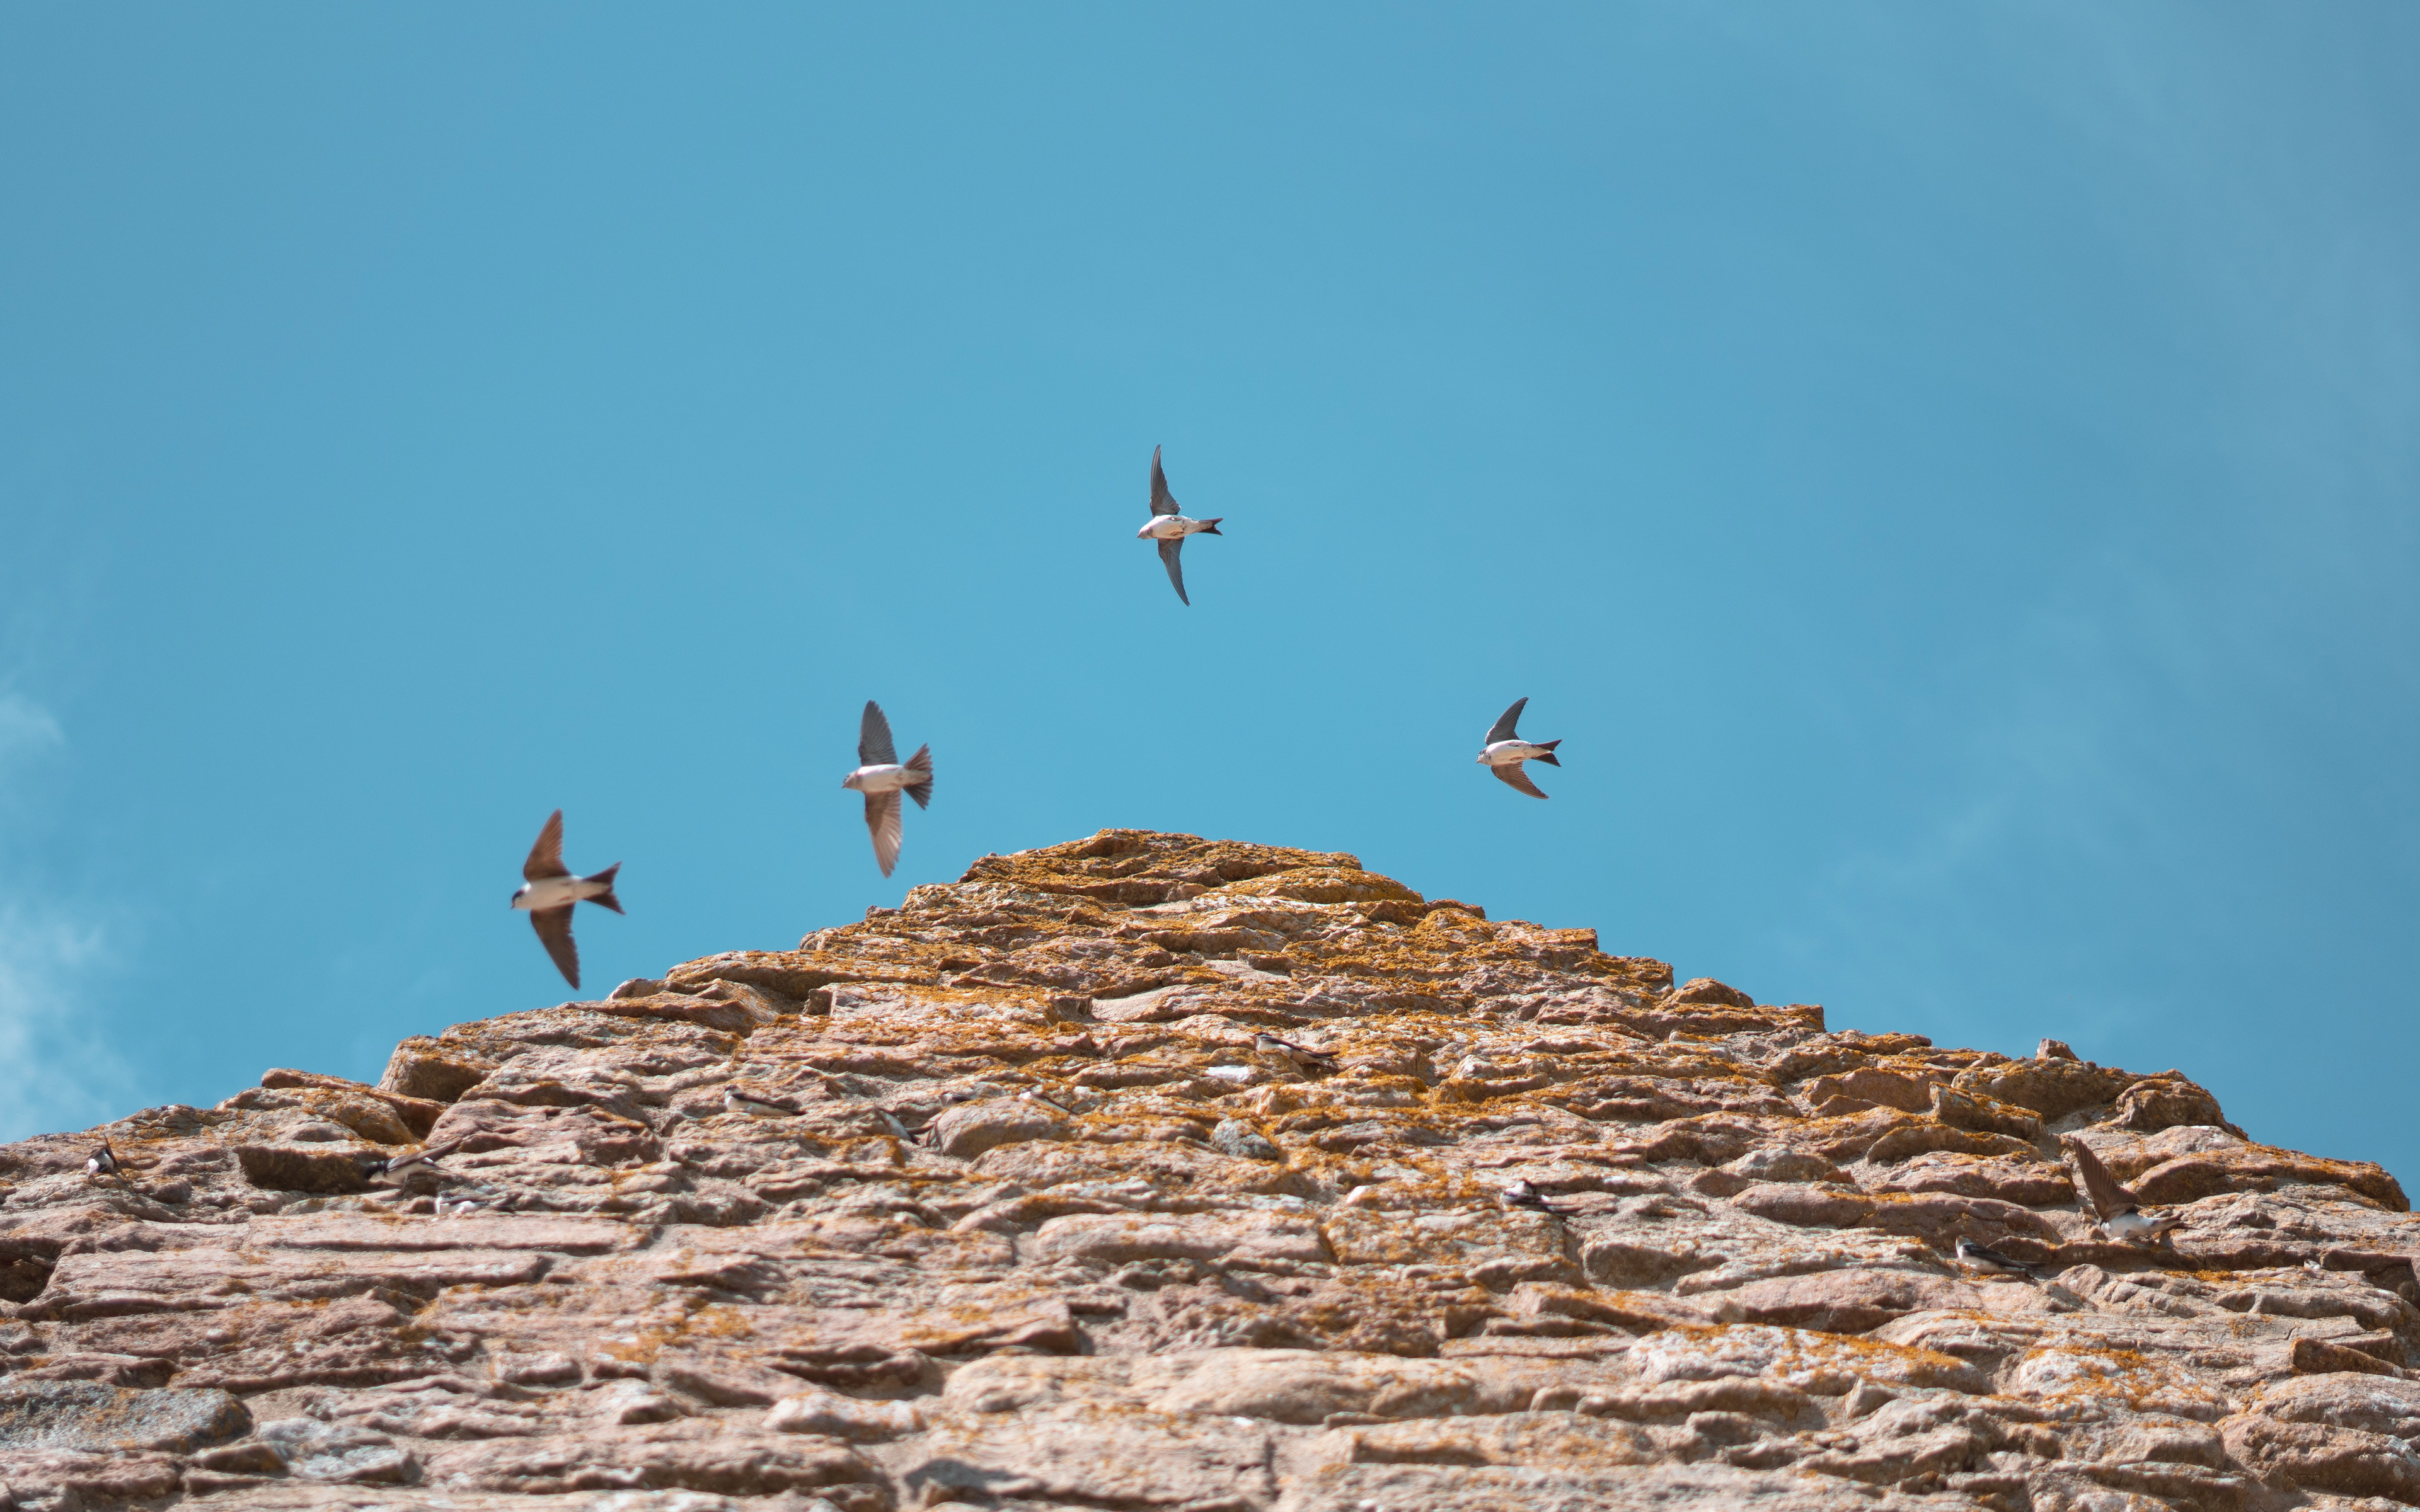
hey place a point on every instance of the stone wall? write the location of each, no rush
(1048, 1226)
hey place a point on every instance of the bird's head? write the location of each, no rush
(1143, 534)
(854, 780)
(519, 897)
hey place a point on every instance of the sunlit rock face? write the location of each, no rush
(1031, 1211)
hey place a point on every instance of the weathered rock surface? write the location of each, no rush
(1048, 1231)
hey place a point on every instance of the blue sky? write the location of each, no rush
(1947, 473)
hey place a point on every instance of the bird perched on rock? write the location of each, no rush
(1992, 1262)
(487, 1201)
(1170, 527)
(1506, 750)
(1522, 1195)
(755, 1105)
(397, 1164)
(2119, 1210)
(102, 1161)
(1269, 1044)
(882, 777)
(550, 892)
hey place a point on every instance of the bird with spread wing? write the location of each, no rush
(550, 892)
(2118, 1208)
(1506, 750)
(881, 776)
(1170, 527)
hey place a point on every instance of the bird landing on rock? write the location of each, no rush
(755, 1105)
(1301, 1055)
(550, 892)
(1522, 1195)
(1170, 527)
(102, 1161)
(1506, 750)
(374, 1166)
(2120, 1212)
(1992, 1262)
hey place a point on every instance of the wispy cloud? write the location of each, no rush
(25, 728)
(56, 1073)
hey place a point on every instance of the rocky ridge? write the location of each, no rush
(1047, 1224)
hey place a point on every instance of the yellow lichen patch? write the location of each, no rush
(1030, 1111)
(1821, 1364)
(2080, 1370)
(1325, 885)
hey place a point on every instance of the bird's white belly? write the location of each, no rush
(553, 892)
(1508, 752)
(888, 778)
(1167, 527)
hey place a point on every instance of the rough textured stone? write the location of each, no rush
(1844, 1301)
(87, 1416)
(2312, 1456)
(1538, 1229)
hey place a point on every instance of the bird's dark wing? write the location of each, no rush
(546, 857)
(431, 1153)
(1162, 502)
(882, 819)
(2100, 1190)
(1503, 729)
(1511, 772)
(1304, 1051)
(873, 747)
(1168, 550)
(553, 926)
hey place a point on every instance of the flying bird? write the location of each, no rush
(2119, 1210)
(550, 891)
(1992, 1262)
(1170, 527)
(102, 1161)
(882, 777)
(1506, 750)
(397, 1165)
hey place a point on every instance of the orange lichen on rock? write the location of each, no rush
(1150, 1171)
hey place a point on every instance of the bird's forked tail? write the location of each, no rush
(606, 899)
(1210, 526)
(920, 790)
(1547, 752)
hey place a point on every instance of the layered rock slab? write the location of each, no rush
(1048, 1223)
